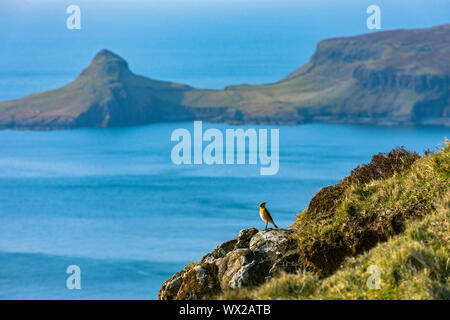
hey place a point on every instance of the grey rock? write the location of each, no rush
(249, 259)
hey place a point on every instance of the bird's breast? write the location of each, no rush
(262, 214)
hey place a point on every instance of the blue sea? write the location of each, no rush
(110, 200)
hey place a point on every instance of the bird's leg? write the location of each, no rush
(266, 225)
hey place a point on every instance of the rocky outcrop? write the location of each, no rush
(249, 259)
(397, 77)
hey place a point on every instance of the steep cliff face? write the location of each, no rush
(384, 78)
(432, 91)
(391, 77)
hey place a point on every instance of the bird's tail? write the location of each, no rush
(274, 224)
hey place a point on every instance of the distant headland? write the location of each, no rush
(398, 77)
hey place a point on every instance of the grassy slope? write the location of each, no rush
(106, 80)
(411, 209)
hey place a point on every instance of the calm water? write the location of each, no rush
(112, 202)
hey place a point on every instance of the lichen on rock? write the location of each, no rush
(249, 259)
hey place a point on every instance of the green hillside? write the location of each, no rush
(393, 214)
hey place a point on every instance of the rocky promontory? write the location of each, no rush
(248, 260)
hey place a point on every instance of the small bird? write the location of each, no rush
(265, 215)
